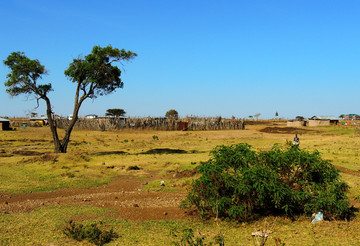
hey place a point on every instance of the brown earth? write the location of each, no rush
(125, 195)
(284, 130)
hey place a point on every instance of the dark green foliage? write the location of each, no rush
(24, 75)
(239, 183)
(95, 74)
(91, 232)
(172, 114)
(115, 112)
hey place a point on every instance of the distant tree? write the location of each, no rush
(276, 114)
(172, 114)
(342, 116)
(94, 75)
(257, 115)
(115, 112)
(299, 118)
(250, 116)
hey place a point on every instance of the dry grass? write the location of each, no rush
(28, 164)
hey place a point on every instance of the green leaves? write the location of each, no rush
(239, 183)
(95, 73)
(24, 75)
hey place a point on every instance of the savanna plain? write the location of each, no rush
(113, 178)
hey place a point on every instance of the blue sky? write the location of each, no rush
(203, 58)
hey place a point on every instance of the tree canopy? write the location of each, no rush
(24, 75)
(172, 114)
(95, 75)
(115, 112)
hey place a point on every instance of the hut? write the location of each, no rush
(5, 124)
(323, 121)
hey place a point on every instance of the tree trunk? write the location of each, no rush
(65, 141)
(53, 128)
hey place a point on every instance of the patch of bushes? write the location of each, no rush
(242, 184)
(187, 237)
(92, 233)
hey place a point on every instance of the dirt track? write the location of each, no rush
(124, 195)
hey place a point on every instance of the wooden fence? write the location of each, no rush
(188, 124)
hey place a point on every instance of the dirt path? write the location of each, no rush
(125, 195)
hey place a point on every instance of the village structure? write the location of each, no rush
(315, 121)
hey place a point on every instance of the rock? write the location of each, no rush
(162, 183)
(135, 205)
(165, 213)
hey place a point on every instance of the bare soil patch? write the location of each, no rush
(285, 130)
(124, 195)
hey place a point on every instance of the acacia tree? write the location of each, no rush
(95, 75)
(115, 112)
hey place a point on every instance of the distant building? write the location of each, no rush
(37, 120)
(91, 116)
(351, 117)
(323, 121)
(5, 124)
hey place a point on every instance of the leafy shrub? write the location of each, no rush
(91, 232)
(187, 237)
(239, 183)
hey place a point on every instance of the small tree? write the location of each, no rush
(94, 75)
(115, 112)
(257, 116)
(341, 116)
(172, 114)
(299, 118)
(276, 114)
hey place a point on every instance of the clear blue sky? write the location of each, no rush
(204, 58)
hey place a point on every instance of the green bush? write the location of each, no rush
(187, 237)
(91, 232)
(241, 184)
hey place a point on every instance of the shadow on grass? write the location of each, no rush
(149, 152)
(164, 151)
(110, 153)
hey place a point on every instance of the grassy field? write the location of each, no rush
(28, 165)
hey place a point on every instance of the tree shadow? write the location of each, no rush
(164, 151)
(110, 153)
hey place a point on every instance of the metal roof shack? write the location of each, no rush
(323, 120)
(5, 124)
